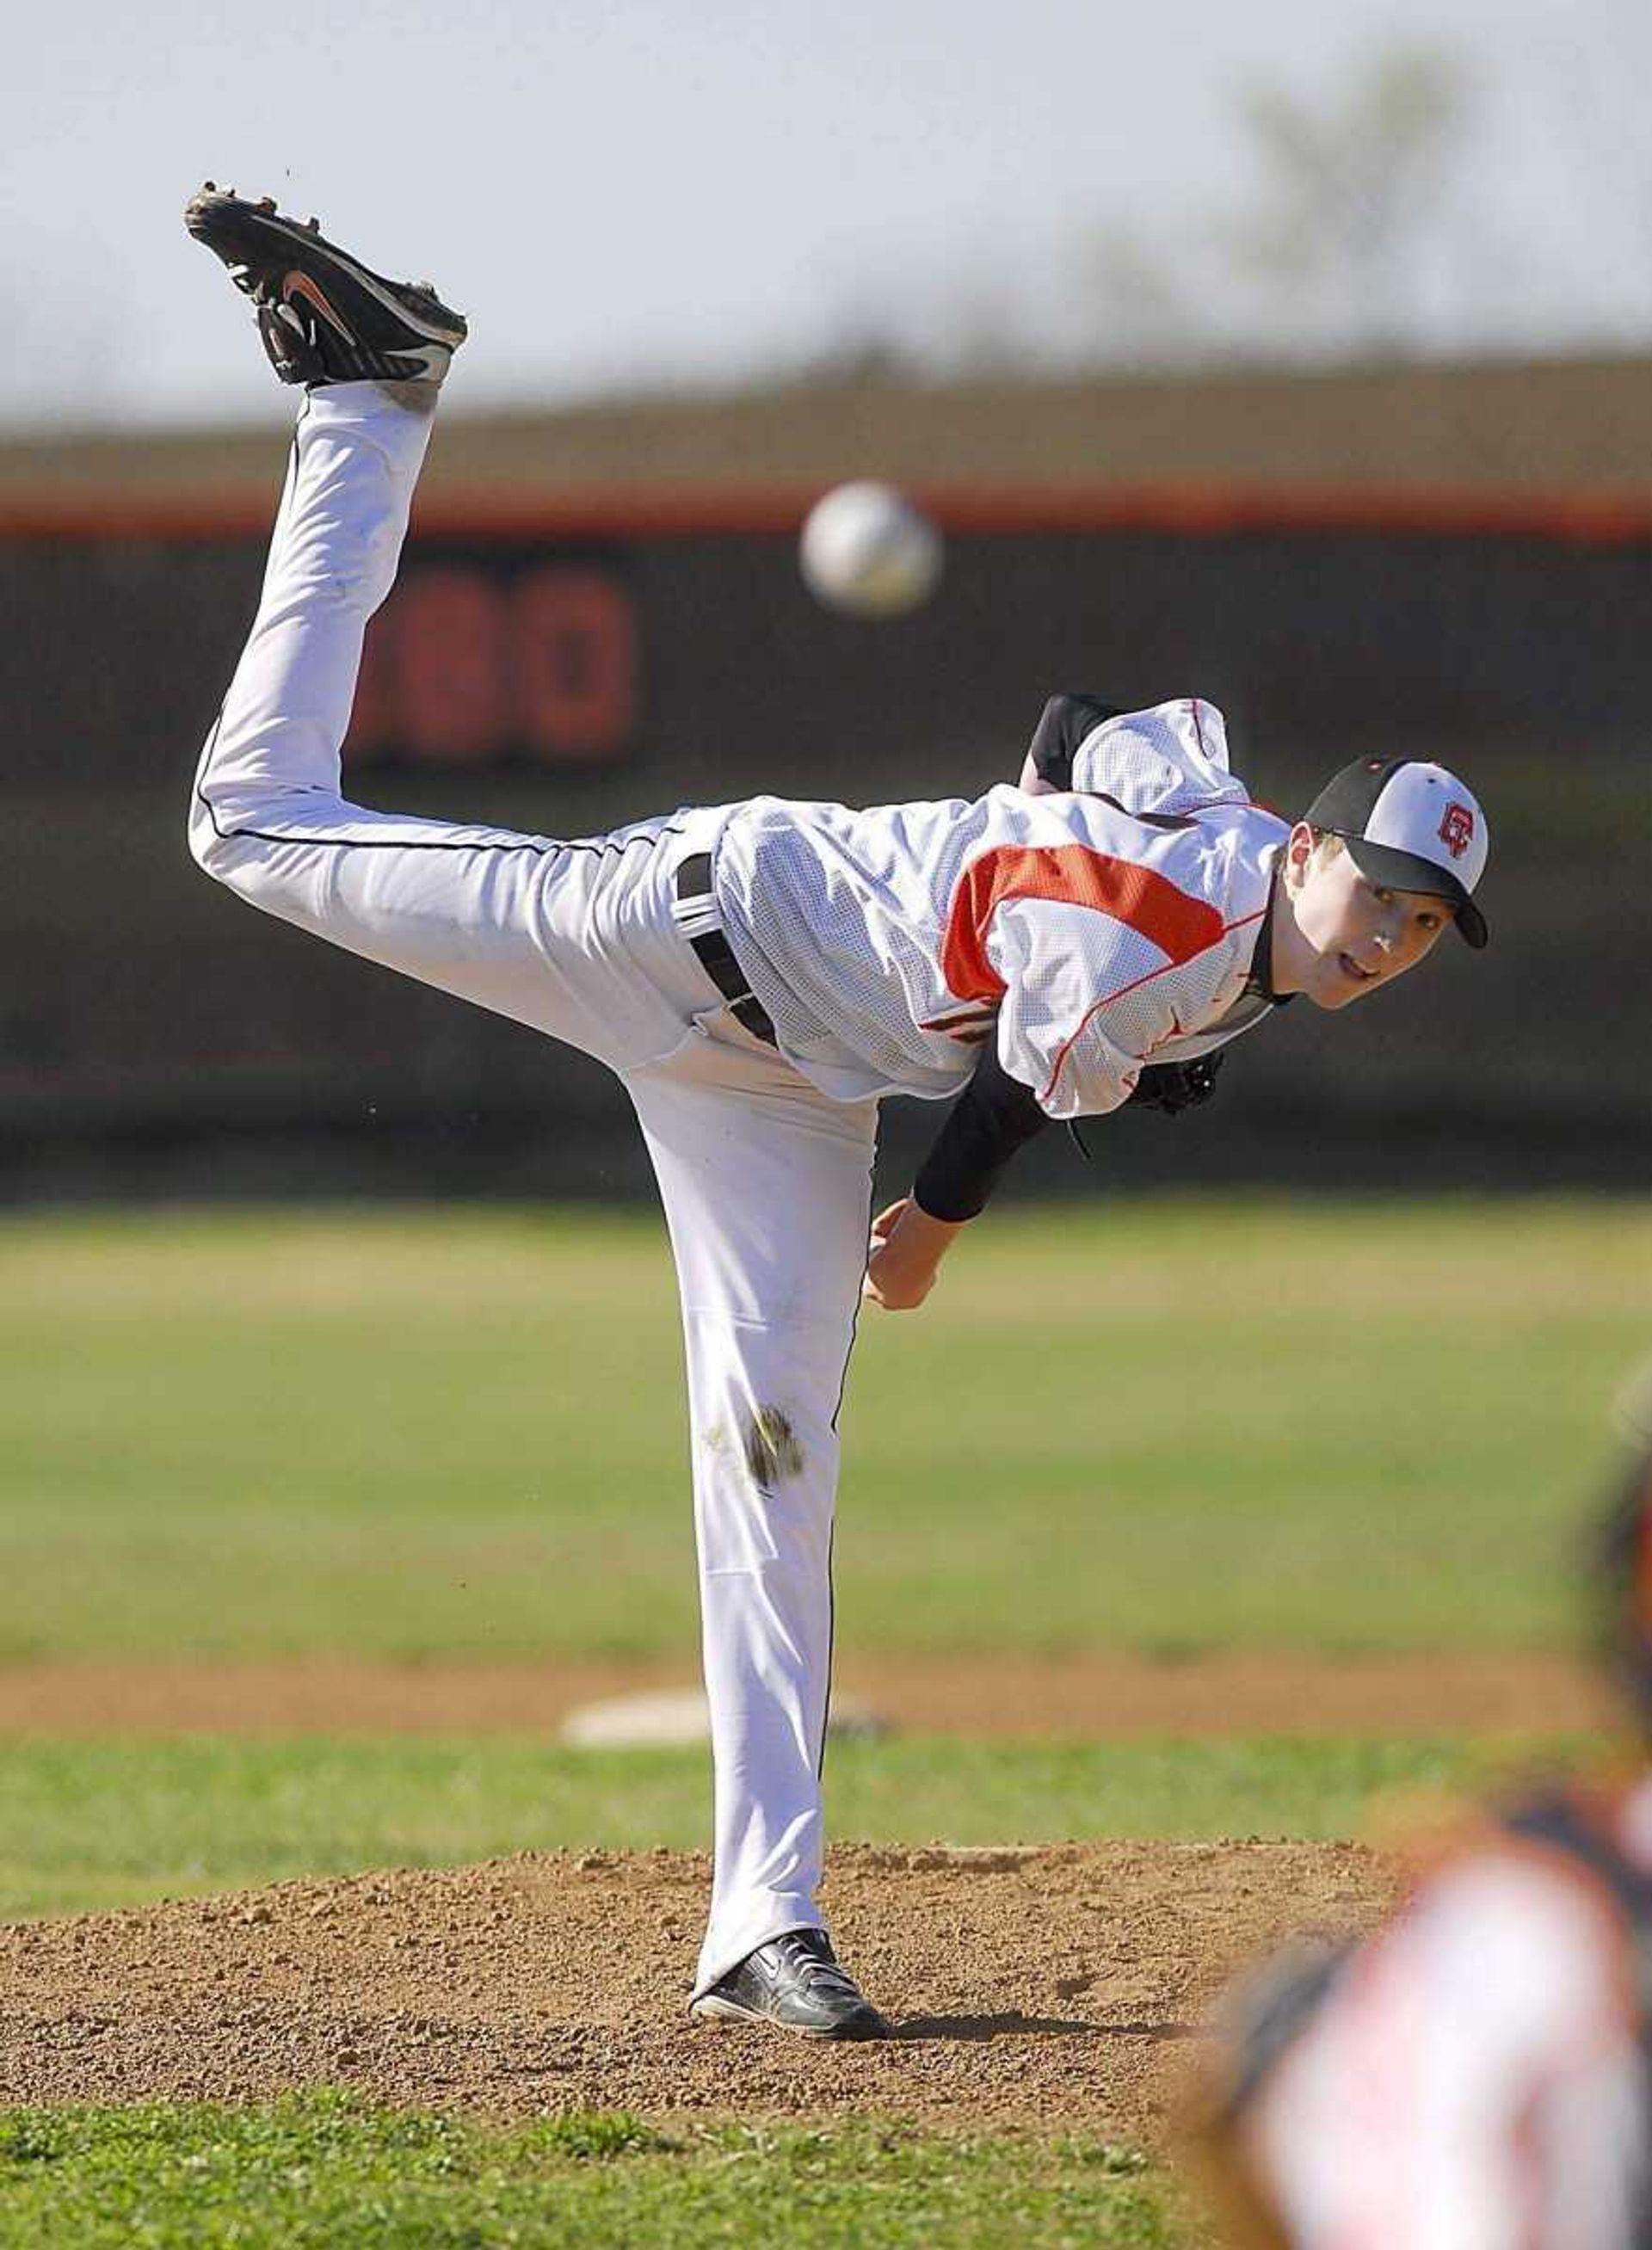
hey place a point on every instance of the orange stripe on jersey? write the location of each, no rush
(1076, 875)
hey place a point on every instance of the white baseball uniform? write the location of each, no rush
(1083, 933)
(1475, 2078)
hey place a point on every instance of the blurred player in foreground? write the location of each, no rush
(759, 975)
(1474, 2075)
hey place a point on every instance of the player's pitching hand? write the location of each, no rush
(908, 1246)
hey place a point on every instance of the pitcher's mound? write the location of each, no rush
(1059, 1987)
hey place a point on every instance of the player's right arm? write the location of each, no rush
(997, 1113)
(1057, 1052)
(993, 1117)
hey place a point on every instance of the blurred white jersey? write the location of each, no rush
(1090, 931)
(1475, 2079)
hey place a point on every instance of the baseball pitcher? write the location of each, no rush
(759, 975)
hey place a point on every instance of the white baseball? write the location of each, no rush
(867, 550)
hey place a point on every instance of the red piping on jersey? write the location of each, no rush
(1076, 875)
(970, 1026)
(1226, 929)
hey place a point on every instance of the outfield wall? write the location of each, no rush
(560, 671)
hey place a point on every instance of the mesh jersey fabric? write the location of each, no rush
(1087, 932)
(1169, 760)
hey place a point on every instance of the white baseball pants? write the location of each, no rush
(766, 1182)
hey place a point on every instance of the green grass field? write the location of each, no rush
(324, 2172)
(1172, 1424)
(88, 1826)
(1166, 1425)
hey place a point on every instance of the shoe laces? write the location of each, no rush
(809, 1952)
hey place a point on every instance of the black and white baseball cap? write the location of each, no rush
(1411, 827)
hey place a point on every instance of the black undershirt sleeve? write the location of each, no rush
(993, 1116)
(1062, 726)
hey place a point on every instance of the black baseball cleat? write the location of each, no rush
(324, 317)
(796, 1983)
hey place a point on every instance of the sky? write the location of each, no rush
(640, 195)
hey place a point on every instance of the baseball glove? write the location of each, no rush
(1173, 1087)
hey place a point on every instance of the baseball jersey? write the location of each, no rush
(1474, 2076)
(1087, 932)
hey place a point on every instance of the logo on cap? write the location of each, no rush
(1456, 829)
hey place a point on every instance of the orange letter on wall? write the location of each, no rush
(449, 647)
(574, 644)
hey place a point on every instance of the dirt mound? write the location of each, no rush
(1090, 1694)
(1059, 1987)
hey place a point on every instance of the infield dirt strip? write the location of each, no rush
(1060, 1988)
(1094, 1694)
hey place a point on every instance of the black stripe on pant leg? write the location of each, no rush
(542, 847)
(831, 1541)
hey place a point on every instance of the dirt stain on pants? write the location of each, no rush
(771, 1448)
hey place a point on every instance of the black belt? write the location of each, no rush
(715, 954)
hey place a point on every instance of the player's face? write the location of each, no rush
(1352, 936)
